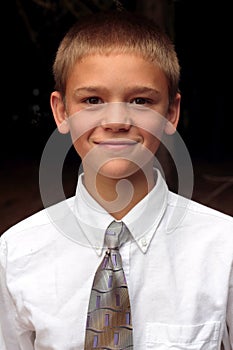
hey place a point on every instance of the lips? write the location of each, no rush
(117, 144)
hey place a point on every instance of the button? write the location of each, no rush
(144, 242)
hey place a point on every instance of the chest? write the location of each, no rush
(178, 301)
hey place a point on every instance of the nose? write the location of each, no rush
(116, 117)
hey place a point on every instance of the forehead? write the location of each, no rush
(117, 70)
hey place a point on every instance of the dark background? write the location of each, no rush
(201, 32)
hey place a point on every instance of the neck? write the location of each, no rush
(119, 196)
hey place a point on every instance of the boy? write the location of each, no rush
(116, 93)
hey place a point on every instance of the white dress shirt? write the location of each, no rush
(178, 266)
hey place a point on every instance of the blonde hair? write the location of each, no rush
(116, 32)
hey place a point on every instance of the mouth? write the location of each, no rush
(117, 144)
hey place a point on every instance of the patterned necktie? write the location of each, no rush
(109, 318)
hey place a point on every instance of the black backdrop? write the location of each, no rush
(203, 40)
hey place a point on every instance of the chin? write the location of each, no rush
(118, 169)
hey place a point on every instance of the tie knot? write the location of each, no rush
(112, 235)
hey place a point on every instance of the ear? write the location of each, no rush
(59, 112)
(173, 116)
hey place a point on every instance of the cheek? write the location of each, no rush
(152, 134)
(151, 125)
(81, 127)
(81, 124)
(153, 144)
(81, 144)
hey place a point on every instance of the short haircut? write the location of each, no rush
(116, 32)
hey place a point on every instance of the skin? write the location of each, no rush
(118, 143)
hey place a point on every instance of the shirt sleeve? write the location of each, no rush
(12, 336)
(230, 311)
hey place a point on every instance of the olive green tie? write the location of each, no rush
(109, 324)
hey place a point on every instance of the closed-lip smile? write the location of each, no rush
(117, 144)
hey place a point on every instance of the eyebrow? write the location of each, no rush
(143, 89)
(131, 90)
(89, 89)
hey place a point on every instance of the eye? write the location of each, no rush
(140, 101)
(94, 100)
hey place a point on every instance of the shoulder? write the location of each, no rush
(196, 216)
(37, 229)
(195, 208)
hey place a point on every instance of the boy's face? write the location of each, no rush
(121, 136)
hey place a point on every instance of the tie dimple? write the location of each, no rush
(112, 235)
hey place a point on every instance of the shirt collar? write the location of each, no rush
(142, 221)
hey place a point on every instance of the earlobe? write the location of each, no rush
(59, 112)
(169, 128)
(173, 116)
